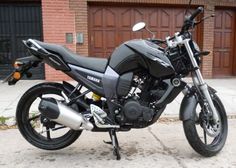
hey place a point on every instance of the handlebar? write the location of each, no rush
(189, 21)
(196, 12)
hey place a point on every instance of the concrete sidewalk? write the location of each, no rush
(10, 95)
(159, 146)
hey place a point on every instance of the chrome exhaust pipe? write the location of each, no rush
(63, 114)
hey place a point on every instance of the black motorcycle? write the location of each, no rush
(129, 90)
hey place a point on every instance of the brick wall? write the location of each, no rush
(62, 16)
(58, 19)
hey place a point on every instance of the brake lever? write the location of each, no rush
(204, 18)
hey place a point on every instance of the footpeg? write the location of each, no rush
(101, 119)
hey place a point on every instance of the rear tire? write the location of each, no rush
(217, 144)
(28, 131)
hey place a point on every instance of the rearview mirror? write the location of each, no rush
(139, 26)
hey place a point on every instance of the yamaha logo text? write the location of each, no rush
(93, 79)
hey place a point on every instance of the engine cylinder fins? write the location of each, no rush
(62, 114)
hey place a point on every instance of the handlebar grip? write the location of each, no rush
(196, 12)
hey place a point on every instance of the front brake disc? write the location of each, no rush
(212, 129)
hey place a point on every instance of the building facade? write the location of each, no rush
(96, 27)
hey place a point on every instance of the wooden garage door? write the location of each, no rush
(224, 43)
(109, 26)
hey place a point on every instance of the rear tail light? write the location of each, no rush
(17, 64)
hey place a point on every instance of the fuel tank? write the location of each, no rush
(138, 54)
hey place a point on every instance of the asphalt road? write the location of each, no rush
(161, 145)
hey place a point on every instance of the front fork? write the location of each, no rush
(199, 81)
(205, 92)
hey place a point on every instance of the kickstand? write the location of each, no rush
(114, 143)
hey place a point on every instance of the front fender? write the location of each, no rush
(189, 103)
(188, 107)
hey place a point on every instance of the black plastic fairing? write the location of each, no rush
(124, 84)
(28, 59)
(88, 78)
(124, 59)
(47, 57)
(157, 62)
(56, 62)
(171, 93)
(141, 54)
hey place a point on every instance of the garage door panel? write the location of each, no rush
(228, 20)
(163, 21)
(218, 18)
(228, 40)
(110, 39)
(97, 18)
(110, 19)
(98, 39)
(138, 15)
(125, 36)
(216, 63)
(135, 35)
(179, 19)
(226, 59)
(217, 40)
(224, 37)
(153, 19)
(126, 16)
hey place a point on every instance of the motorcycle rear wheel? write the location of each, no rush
(195, 139)
(28, 130)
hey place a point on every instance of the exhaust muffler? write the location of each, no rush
(63, 114)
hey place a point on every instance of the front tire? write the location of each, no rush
(28, 130)
(192, 135)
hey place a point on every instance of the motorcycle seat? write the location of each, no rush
(92, 63)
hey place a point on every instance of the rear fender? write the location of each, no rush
(30, 59)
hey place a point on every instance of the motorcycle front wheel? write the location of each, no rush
(49, 136)
(196, 133)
